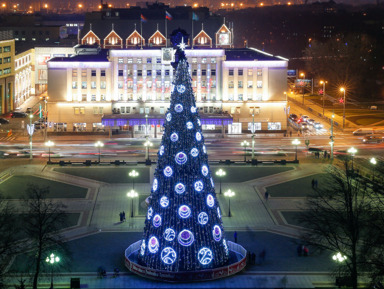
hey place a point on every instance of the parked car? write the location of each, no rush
(293, 117)
(4, 121)
(304, 126)
(18, 114)
(318, 125)
(373, 138)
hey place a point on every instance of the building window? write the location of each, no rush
(102, 73)
(102, 97)
(149, 60)
(158, 60)
(130, 84)
(194, 60)
(259, 72)
(230, 97)
(120, 60)
(254, 110)
(162, 110)
(93, 97)
(250, 84)
(7, 48)
(7, 71)
(98, 126)
(83, 85)
(103, 84)
(274, 125)
(97, 110)
(149, 84)
(240, 97)
(7, 60)
(250, 72)
(240, 72)
(213, 72)
(149, 72)
(213, 85)
(93, 84)
(167, 72)
(204, 60)
(194, 72)
(121, 72)
(259, 97)
(80, 126)
(230, 72)
(93, 73)
(139, 60)
(84, 73)
(203, 72)
(139, 73)
(213, 60)
(158, 72)
(74, 72)
(120, 84)
(74, 84)
(256, 126)
(240, 84)
(259, 84)
(203, 83)
(79, 110)
(130, 60)
(230, 84)
(249, 96)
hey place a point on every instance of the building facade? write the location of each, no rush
(7, 72)
(115, 89)
(24, 76)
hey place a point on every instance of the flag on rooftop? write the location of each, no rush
(168, 15)
(194, 16)
(143, 19)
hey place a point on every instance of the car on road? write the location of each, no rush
(53, 155)
(304, 126)
(373, 138)
(18, 114)
(293, 117)
(4, 121)
(311, 121)
(317, 125)
(304, 118)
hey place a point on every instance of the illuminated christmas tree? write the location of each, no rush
(183, 228)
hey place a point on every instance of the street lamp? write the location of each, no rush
(30, 129)
(45, 99)
(146, 126)
(296, 142)
(323, 83)
(229, 194)
(133, 174)
(352, 151)
(373, 162)
(253, 135)
(342, 89)
(132, 194)
(49, 144)
(339, 259)
(52, 259)
(220, 173)
(147, 144)
(332, 141)
(245, 144)
(303, 77)
(99, 145)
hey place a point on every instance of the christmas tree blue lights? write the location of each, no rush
(183, 227)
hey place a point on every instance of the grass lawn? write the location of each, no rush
(16, 186)
(297, 188)
(108, 175)
(237, 174)
(291, 217)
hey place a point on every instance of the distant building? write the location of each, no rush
(24, 76)
(7, 71)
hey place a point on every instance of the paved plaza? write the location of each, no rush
(99, 238)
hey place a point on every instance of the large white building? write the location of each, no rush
(116, 88)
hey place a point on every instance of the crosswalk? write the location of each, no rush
(6, 138)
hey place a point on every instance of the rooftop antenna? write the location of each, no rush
(113, 26)
(135, 26)
(90, 26)
(202, 26)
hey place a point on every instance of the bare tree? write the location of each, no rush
(344, 215)
(8, 233)
(44, 218)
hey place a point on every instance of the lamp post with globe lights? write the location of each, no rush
(352, 151)
(245, 144)
(229, 194)
(339, 258)
(52, 259)
(132, 194)
(133, 174)
(49, 144)
(302, 75)
(147, 144)
(296, 142)
(342, 89)
(323, 82)
(220, 173)
(99, 145)
(373, 162)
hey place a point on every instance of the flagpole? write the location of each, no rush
(141, 32)
(166, 40)
(192, 32)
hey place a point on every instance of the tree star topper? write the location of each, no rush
(182, 45)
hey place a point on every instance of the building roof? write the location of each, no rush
(102, 56)
(248, 54)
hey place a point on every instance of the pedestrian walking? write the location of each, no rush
(123, 216)
(313, 183)
(262, 256)
(316, 183)
(235, 236)
(266, 195)
(305, 251)
(299, 250)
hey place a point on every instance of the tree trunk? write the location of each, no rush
(37, 272)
